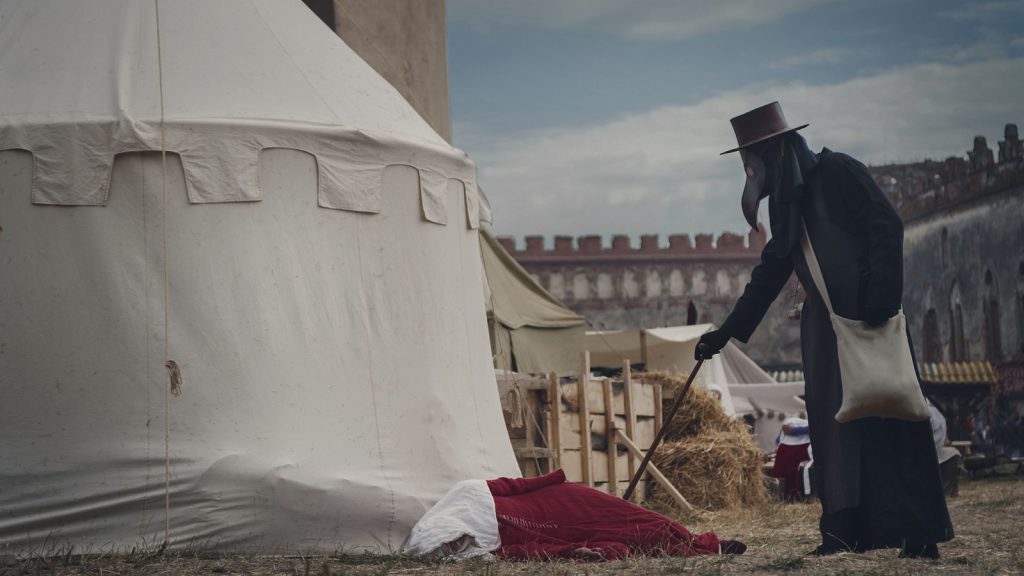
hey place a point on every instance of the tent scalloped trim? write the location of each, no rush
(72, 162)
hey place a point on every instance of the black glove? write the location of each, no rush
(877, 316)
(710, 344)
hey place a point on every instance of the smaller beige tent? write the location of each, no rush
(746, 389)
(531, 331)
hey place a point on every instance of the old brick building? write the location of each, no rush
(963, 256)
(964, 265)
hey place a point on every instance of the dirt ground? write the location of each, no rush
(987, 517)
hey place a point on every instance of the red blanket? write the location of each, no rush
(546, 517)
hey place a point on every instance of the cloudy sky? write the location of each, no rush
(607, 116)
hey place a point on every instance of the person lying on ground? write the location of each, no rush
(547, 518)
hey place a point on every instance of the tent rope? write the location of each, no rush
(622, 358)
(173, 373)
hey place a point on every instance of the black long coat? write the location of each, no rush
(882, 471)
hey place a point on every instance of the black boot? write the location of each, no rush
(733, 547)
(841, 531)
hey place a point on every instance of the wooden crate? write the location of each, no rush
(546, 434)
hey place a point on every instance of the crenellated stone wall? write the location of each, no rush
(620, 285)
(729, 246)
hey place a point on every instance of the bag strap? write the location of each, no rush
(812, 264)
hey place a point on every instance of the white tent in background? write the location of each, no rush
(745, 387)
(307, 255)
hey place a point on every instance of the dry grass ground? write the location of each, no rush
(987, 516)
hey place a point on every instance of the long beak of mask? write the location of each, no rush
(754, 188)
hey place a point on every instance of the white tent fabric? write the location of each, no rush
(336, 373)
(83, 81)
(667, 349)
(745, 387)
(465, 515)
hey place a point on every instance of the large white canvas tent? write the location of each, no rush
(531, 331)
(745, 387)
(306, 253)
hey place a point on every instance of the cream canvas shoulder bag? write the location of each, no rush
(875, 363)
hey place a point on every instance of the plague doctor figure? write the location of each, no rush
(878, 478)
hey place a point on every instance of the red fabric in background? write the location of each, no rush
(787, 466)
(547, 517)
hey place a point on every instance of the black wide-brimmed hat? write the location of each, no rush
(759, 125)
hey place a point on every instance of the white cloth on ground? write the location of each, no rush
(466, 510)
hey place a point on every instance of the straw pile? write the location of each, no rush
(711, 459)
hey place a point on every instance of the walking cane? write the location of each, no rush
(661, 433)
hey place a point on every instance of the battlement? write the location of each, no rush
(921, 188)
(680, 246)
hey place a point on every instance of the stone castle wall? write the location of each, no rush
(964, 251)
(622, 286)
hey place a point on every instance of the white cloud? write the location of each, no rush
(985, 11)
(638, 19)
(821, 56)
(984, 50)
(660, 171)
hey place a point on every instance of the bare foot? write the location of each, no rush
(588, 554)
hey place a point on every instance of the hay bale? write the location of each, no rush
(701, 412)
(711, 458)
(716, 470)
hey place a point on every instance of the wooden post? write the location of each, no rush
(609, 430)
(555, 425)
(643, 349)
(627, 401)
(582, 383)
(658, 476)
(680, 396)
(529, 421)
(657, 408)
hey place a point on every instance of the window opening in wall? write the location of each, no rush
(676, 285)
(691, 314)
(957, 344)
(556, 285)
(931, 345)
(944, 249)
(722, 283)
(630, 287)
(653, 284)
(605, 288)
(1020, 308)
(990, 320)
(580, 286)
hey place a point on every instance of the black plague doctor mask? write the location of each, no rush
(776, 160)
